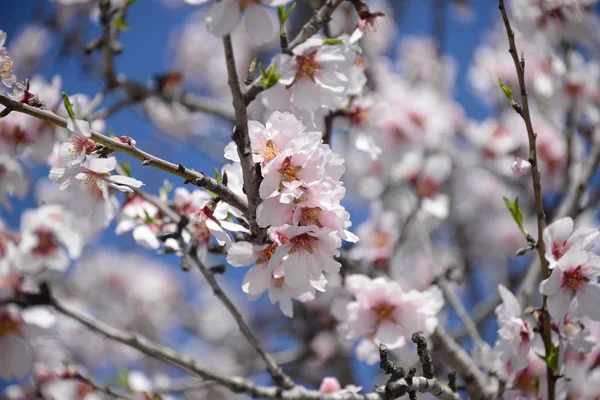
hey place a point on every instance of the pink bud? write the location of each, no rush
(126, 140)
(330, 385)
(521, 167)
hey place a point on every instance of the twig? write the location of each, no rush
(244, 147)
(78, 375)
(476, 383)
(191, 176)
(460, 310)
(537, 188)
(399, 384)
(320, 18)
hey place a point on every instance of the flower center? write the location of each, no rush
(381, 240)
(266, 254)
(359, 116)
(9, 325)
(383, 312)
(573, 280)
(426, 187)
(279, 282)
(559, 249)
(289, 172)
(46, 243)
(302, 242)
(310, 216)
(270, 152)
(306, 66)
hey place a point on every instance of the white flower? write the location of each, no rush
(44, 233)
(224, 15)
(385, 313)
(316, 75)
(575, 275)
(515, 334)
(17, 330)
(559, 238)
(12, 180)
(94, 173)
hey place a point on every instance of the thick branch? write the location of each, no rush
(244, 147)
(195, 177)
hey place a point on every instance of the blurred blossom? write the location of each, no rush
(521, 167)
(28, 48)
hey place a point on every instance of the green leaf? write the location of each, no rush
(288, 13)
(332, 42)
(552, 358)
(120, 24)
(68, 106)
(130, 2)
(126, 168)
(218, 176)
(506, 89)
(269, 77)
(281, 14)
(515, 211)
(263, 71)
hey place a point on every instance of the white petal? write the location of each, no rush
(390, 334)
(258, 25)
(511, 304)
(558, 305)
(241, 254)
(588, 298)
(222, 17)
(551, 285)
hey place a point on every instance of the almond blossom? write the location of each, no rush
(559, 237)
(575, 275)
(45, 234)
(94, 173)
(17, 332)
(223, 17)
(515, 334)
(12, 180)
(316, 75)
(6, 76)
(383, 312)
(332, 385)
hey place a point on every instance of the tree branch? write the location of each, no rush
(244, 147)
(320, 18)
(191, 176)
(460, 310)
(537, 187)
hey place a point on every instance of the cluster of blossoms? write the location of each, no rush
(575, 270)
(381, 311)
(301, 192)
(6, 76)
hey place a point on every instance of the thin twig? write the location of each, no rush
(320, 18)
(537, 188)
(460, 310)
(191, 176)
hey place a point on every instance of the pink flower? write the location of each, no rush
(559, 237)
(521, 167)
(12, 180)
(515, 334)
(17, 330)
(316, 75)
(332, 385)
(385, 313)
(45, 234)
(575, 275)
(94, 173)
